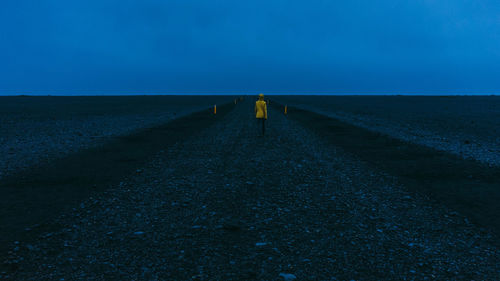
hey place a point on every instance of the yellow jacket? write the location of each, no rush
(260, 109)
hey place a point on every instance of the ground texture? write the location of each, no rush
(37, 130)
(228, 204)
(465, 126)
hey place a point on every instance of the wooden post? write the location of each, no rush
(215, 109)
(286, 109)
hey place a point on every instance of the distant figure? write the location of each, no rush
(261, 112)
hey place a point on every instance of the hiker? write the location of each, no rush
(261, 112)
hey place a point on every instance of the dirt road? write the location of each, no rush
(227, 204)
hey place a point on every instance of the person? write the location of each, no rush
(261, 112)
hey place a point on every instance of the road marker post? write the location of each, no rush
(286, 109)
(215, 109)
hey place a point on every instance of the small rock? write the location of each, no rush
(475, 251)
(288, 276)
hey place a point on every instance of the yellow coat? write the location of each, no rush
(260, 109)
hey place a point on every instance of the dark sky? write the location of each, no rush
(293, 46)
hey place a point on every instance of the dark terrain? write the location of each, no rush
(461, 184)
(36, 130)
(205, 197)
(36, 195)
(467, 126)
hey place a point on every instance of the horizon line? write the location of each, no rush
(5, 92)
(107, 93)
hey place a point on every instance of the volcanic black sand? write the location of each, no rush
(206, 198)
(35, 130)
(469, 186)
(35, 196)
(467, 126)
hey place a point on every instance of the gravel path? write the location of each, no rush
(37, 130)
(229, 205)
(465, 126)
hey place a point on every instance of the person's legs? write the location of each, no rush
(263, 126)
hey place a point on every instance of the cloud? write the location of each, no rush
(189, 46)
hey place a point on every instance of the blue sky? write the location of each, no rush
(186, 46)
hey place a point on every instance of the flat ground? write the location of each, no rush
(210, 199)
(467, 126)
(36, 130)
